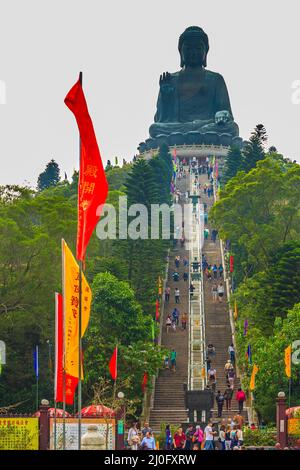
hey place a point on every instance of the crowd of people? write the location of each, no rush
(227, 435)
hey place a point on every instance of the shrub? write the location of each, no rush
(260, 437)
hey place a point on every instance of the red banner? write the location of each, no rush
(113, 364)
(144, 382)
(92, 187)
(157, 310)
(71, 382)
(231, 264)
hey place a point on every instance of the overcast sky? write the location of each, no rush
(122, 47)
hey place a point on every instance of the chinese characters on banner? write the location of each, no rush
(71, 303)
(71, 382)
(19, 433)
(93, 186)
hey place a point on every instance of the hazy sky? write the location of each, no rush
(122, 47)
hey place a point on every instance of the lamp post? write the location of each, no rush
(281, 419)
(121, 420)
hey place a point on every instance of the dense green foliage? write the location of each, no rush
(259, 212)
(254, 151)
(234, 163)
(246, 159)
(49, 177)
(123, 276)
(260, 437)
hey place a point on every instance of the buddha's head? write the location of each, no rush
(193, 47)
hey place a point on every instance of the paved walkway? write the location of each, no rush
(217, 320)
(169, 397)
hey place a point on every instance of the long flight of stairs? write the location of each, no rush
(169, 398)
(217, 321)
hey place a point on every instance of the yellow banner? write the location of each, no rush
(252, 380)
(71, 310)
(288, 361)
(19, 433)
(235, 310)
(159, 286)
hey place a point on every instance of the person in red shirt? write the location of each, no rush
(179, 439)
(240, 397)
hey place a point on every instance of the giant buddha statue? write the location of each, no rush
(193, 99)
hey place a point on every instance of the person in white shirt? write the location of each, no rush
(177, 295)
(209, 437)
(168, 323)
(221, 291)
(240, 437)
(231, 353)
(133, 438)
(222, 437)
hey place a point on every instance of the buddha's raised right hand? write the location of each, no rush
(165, 83)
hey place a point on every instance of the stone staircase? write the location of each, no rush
(217, 321)
(169, 398)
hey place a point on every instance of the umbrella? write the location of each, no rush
(51, 413)
(291, 411)
(97, 410)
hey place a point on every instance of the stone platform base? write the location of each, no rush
(191, 151)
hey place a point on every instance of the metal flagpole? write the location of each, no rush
(79, 321)
(55, 366)
(290, 378)
(79, 356)
(115, 381)
(64, 349)
(37, 376)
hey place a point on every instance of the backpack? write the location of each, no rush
(221, 398)
(234, 440)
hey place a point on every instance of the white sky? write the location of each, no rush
(122, 47)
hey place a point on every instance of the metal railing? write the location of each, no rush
(196, 303)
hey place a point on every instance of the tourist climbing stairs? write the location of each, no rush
(169, 396)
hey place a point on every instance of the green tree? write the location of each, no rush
(254, 151)
(258, 212)
(234, 163)
(117, 318)
(268, 354)
(49, 177)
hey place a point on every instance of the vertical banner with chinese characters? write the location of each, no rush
(71, 382)
(93, 187)
(71, 309)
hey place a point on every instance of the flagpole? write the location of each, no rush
(64, 348)
(37, 377)
(79, 356)
(79, 321)
(290, 379)
(115, 381)
(55, 367)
